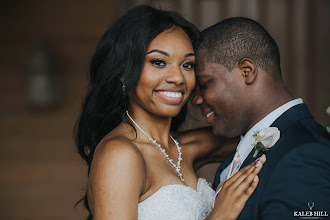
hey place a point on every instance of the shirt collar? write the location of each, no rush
(245, 145)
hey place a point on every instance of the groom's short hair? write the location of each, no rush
(230, 40)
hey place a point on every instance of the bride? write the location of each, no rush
(139, 166)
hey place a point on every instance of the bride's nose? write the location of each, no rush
(175, 75)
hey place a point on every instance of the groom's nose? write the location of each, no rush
(197, 99)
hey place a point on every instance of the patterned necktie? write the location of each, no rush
(232, 170)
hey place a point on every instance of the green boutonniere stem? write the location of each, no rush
(259, 147)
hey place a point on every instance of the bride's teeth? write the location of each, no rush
(208, 114)
(172, 94)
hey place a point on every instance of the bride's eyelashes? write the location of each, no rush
(160, 63)
(189, 65)
(157, 62)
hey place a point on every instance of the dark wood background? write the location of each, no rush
(41, 174)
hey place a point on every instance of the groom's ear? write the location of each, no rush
(248, 69)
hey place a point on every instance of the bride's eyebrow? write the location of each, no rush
(189, 55)
(158, 51)
(166, 54)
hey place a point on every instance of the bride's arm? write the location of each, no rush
(236, 191)
(116, 181)
(204, 147)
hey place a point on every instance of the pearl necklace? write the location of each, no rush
(177, 166)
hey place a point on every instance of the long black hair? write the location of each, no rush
(118, 61)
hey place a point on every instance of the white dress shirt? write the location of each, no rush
(245, 145)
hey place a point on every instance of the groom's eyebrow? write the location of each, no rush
(201, 76)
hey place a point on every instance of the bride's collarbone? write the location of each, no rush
(149, 150)
(158, 165)
(159, 172)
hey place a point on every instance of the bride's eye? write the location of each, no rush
(189, 65)
(158, 63)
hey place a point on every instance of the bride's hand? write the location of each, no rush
(237, 190)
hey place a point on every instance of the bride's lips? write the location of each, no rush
(170, 97)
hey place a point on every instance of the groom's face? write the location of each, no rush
(220, 95)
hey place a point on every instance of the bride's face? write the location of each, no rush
(168, 75)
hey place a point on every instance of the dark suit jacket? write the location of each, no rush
(296, 173)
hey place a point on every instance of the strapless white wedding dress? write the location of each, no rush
(178, 202)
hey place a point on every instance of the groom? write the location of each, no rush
(241, 92)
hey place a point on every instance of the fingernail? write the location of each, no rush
(263, 157)
(258, 163)
(255, 178)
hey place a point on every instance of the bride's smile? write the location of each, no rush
(167, 76)
(174, 98)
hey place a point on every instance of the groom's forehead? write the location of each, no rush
(203, 63)
(206, 73)
(202, 55)
(206, 69)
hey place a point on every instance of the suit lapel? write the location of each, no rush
(226, 162)
(250, 158)
(282, 123)
(292, 115)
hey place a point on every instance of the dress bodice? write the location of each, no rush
(178, 202)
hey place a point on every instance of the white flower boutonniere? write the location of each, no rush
(265, 139)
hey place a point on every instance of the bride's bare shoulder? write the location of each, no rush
(117, 152)
(118, 143)
(121, 137)
(117, 163)
(118, 149)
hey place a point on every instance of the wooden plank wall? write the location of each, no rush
(41, 174)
